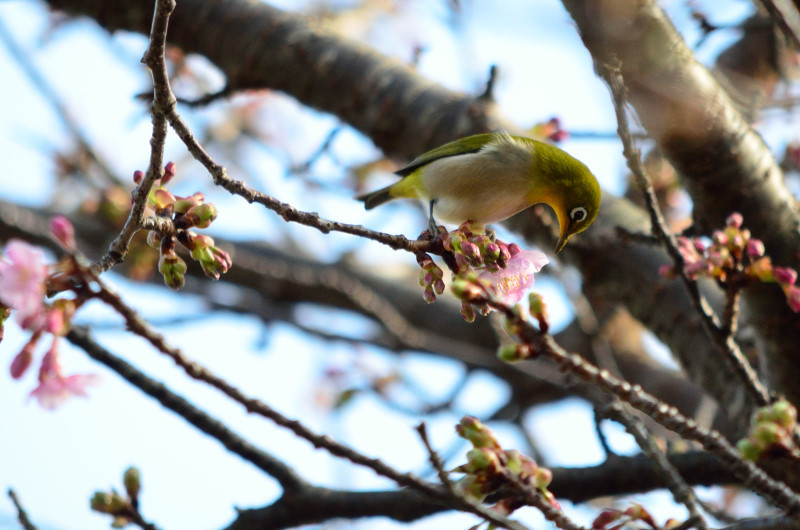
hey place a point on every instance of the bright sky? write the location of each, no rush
(55, 460)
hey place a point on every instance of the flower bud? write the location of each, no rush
(785, 275)
(169, 172)
(749, 450)
(163, 201)
(471, 428)
(465, 290)
(63, 231)
(508, 353)
(22, 361)
(755, 248)
(101, 502)
(138, 176)
(734, 220)
(132, 481)
(173, 269)
(468, 312)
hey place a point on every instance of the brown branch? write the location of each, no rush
(680, 490)
(22, 515)
(162, 101)
(722, 338)
(543, 344)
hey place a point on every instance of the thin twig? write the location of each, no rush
(196, 371)
(438, 465)
(22, 515)
(751, 475)
(534, 497)
(724, 342)
(680, 490)
(434, 458)
(163, 103)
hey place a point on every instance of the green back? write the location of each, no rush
(470, 144)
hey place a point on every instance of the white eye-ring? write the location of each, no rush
(577, 214)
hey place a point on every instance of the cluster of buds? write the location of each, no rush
(771, 432)
(490, 468)
(431, 277)
(123, 509)
(475, 248)
(513, 351)
(618, 519)
(734, 257)
(482, 265)
(186, 213)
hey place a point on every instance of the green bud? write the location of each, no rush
(100, 502)
(508, 353)
(132, 481)
(465, 290)
(476, 432)
(513, 460)
(118, 503)
(468, 312)
(482, 459)
(542, 478)
(173, 269)
(767, 433)
(748, 450)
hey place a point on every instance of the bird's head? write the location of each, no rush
(576, 206)
(567, 186)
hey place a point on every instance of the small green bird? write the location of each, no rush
(489, 177)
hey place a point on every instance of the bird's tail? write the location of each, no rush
(376, 198)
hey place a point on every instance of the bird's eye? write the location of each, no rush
(577, 214)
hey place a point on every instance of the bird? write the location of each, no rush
(486, 178)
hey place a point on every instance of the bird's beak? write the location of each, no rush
(563, 227)
(562, 241)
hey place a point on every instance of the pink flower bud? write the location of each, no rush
(63, 231)
(785, 275)
(169, 172)
(22, 361)
(734, 220)
(138, 176)
(428, 295)
(755, 248)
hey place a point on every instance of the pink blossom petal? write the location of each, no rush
(22, 278)
(53, 392)
(517, 277)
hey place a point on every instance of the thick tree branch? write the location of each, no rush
(258, 46)
(725, 164)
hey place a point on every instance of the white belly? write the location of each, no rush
(488, 188)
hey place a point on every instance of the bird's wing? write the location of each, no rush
(470, 144)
